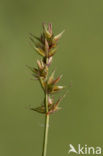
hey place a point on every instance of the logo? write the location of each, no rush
(84, 149)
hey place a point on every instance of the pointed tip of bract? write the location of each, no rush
(40, 109)
(57, 37)
(50, 80)
(57, 79)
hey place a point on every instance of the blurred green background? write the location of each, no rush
(79, 58)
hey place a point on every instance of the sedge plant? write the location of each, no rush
(46, 46)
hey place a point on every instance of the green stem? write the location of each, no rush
(46, 128)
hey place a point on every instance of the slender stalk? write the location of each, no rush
(46, 128)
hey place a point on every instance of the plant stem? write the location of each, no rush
(46, 128)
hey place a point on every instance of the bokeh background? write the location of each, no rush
(79, 59)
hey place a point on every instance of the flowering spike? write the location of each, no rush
(46, 47)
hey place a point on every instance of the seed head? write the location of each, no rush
(46, 47)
